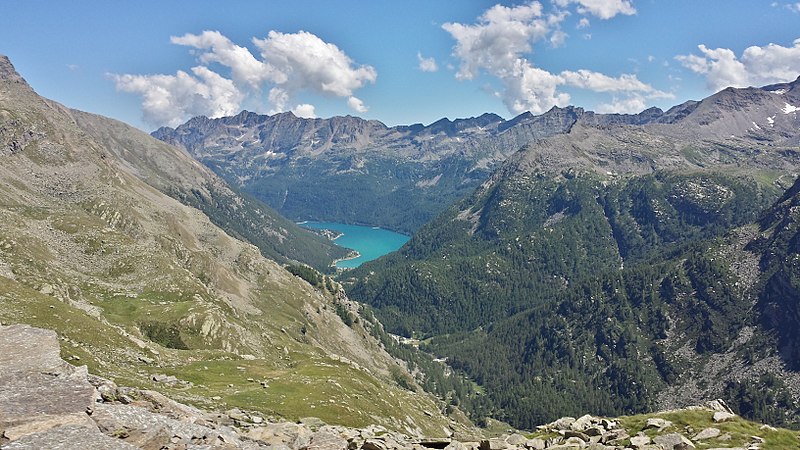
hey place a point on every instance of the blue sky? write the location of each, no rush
(149, 63)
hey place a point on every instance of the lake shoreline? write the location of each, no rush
(366, 242)
(354, 254)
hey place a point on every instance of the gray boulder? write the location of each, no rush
(493, 444)
(723, 416)
(673, 441)
(640, 441)
(707, 433)
(324, 440)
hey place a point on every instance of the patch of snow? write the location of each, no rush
(755, 125)
(771, 120)
(788, 109)
(779, 91)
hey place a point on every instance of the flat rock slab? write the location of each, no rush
(46, 423)
(34, 382)
(28, 349)
(281, 433)
(323, 440)
(144, 426)
(69, 437)
(723, 416)
(640, 441)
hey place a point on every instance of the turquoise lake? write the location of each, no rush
(370, 242)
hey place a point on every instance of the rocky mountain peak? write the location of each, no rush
(569, 114)
(678, 112)
(8, 74)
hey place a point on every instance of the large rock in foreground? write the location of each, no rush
(38, 390)
(46, 403)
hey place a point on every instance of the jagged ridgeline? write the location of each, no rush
(618, 268)
(104, 239)
(351, 170)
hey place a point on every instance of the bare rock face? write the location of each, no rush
(38, 390)
(46, 403)
(68, 437)
(8, 73)
(324, 440)
(674, 441)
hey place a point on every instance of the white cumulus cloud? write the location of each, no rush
(626, 105)
(558, 38)
(278, 98)
(496, 42)
(532, 89)
(604, 9)
(171, 99)
(357, 105)
(757, 66)
(287, 63)
(245, 68)
(311, 63)
(499, 44)
(599, 82)
(305, 111)
(427, 64)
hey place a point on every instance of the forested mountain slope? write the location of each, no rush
(616, 267)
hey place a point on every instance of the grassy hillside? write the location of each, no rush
(176, 174)
(138, 284)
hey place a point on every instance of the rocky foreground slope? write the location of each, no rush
(46, 403)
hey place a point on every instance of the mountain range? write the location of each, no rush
(527, 217)
(353, 170)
